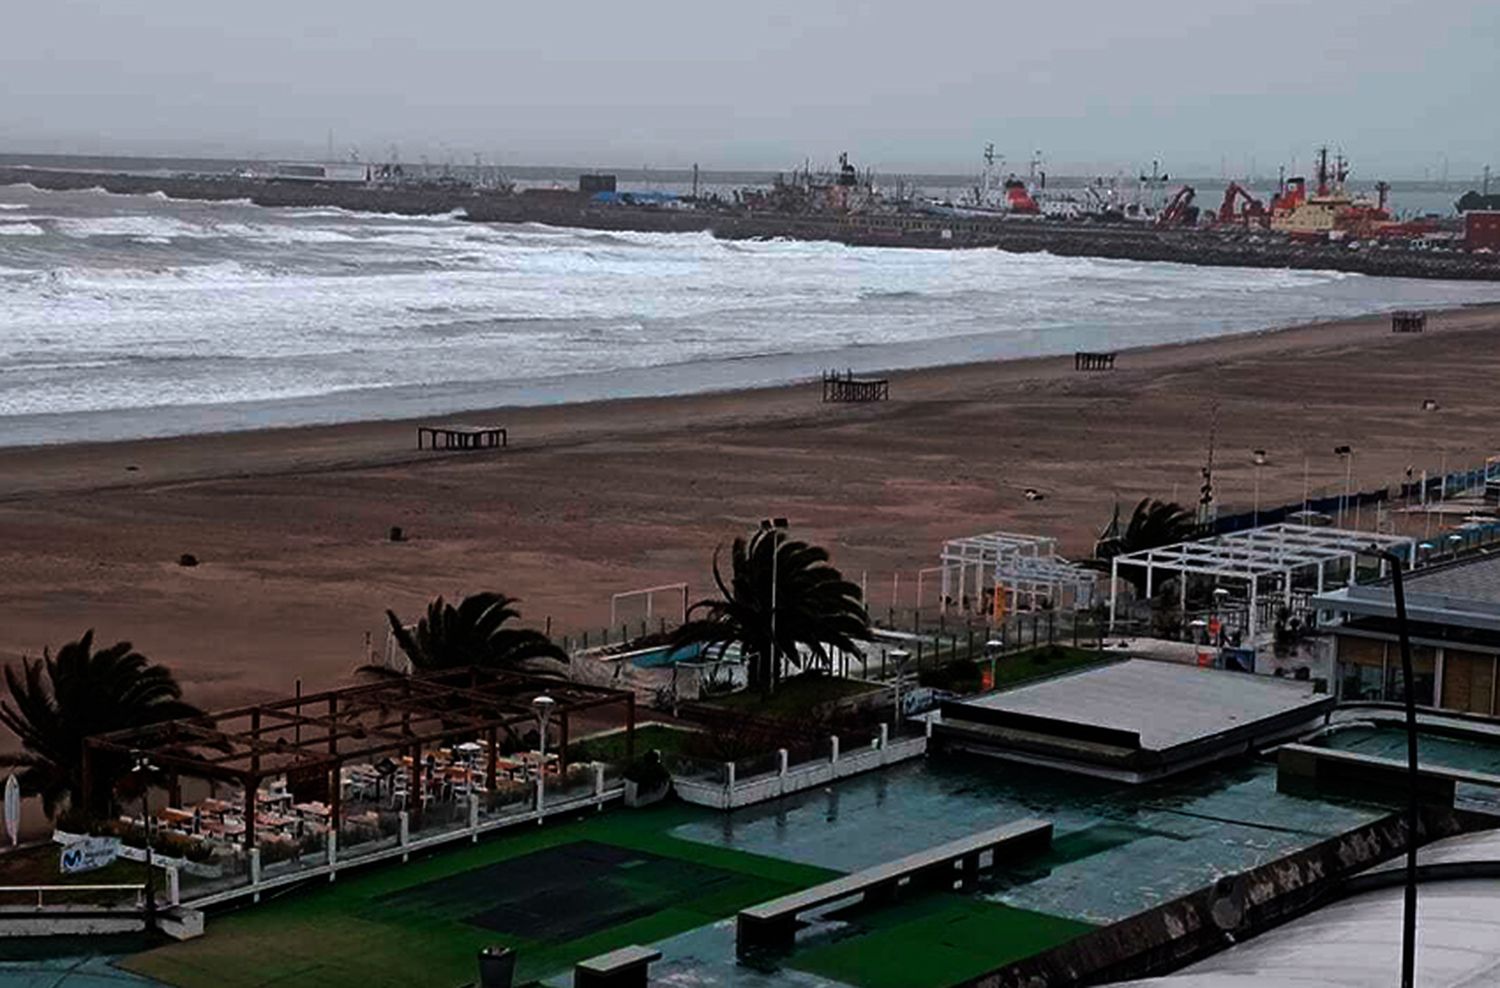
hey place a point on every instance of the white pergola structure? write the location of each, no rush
(1026, 565)
(1269, 551)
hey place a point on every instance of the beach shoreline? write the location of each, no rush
(378, 441)
(290, 526)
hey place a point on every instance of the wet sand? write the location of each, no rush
(291, 525)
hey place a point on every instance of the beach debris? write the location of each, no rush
(187, 559)
(132, 468)
(397, 535)
(1429, 405)
(1032, 494)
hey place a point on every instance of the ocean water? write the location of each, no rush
(127, 316)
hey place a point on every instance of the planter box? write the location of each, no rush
(636, 797)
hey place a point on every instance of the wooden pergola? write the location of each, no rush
(310, 738)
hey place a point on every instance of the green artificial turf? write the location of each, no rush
(376, 928)
(933, 941)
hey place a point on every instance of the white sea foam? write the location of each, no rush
(13, 206)
(21, 230)
(233, 303)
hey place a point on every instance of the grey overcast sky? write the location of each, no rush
(918, 86)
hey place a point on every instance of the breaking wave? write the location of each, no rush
(140, 302)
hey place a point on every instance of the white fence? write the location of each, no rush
(735, 793)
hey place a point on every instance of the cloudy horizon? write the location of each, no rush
(1244, 87)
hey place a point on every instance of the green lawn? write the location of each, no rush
(611, 747)
(794, 697)
(382, 927)
(934, 941)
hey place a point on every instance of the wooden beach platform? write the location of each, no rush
(462, 437)
(846, 387)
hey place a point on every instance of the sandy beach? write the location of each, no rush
(291, 525)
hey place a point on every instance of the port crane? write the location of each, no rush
(1180, 211)
(1254, 211)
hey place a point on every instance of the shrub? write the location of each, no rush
(647, 771)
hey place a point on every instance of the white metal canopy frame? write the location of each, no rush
(1027, 565)
(1269, 551)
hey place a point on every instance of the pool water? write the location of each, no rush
(1117, 849)
(657, 658)
(1386, 741)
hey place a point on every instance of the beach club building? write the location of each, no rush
(1454, 620)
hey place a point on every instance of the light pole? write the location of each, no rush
(1257, 457)
(1409, 909)
(899, 656)
(1347, 452)
(994, 646)
(543, 706)
(774, 526)
(142, 768)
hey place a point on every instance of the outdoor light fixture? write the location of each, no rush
(543, 706)
(1409, 910)
(899, 656)
(769, 525)
(142, 768)
(1347, 452)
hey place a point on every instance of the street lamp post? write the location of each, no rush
(899, 656)
(142, 768)
(1347, 452)
(994, 647)
(543, 706)
(1409, 909)
(775, 526)
(1258, 457)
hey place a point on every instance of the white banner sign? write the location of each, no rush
(89, 854)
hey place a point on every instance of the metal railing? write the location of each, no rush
(42, 891)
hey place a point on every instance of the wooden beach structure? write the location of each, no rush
(1408, 321)
(462, 437)
(297, 749)
(846, 387)
(1085, 361)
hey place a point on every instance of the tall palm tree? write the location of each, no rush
(472, 634)
(57, 701)
(1152, 524)
(815, 607)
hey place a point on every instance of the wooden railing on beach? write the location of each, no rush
(848, 388)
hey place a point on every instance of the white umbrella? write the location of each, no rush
(13, 809)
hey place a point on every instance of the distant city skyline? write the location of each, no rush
(1229, 87)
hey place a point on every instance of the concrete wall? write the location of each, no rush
(762, 788)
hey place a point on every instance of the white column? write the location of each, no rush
(405, 820)
(333, 854)
(473, 819)
(255, 872)
(1254, 625)
(781, 761)
(1353, 568)
(174, 886)
(1288, 590)
(1114, 579)
(1150, 578)
(833, 749)
(885, 735)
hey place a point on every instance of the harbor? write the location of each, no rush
(1305, 225)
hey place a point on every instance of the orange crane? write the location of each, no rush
(1254, 210)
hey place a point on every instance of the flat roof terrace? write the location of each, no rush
(1135, 720)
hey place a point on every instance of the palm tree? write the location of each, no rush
(1153, 524)
(815, 607)
(472, 634)
(56, 702)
